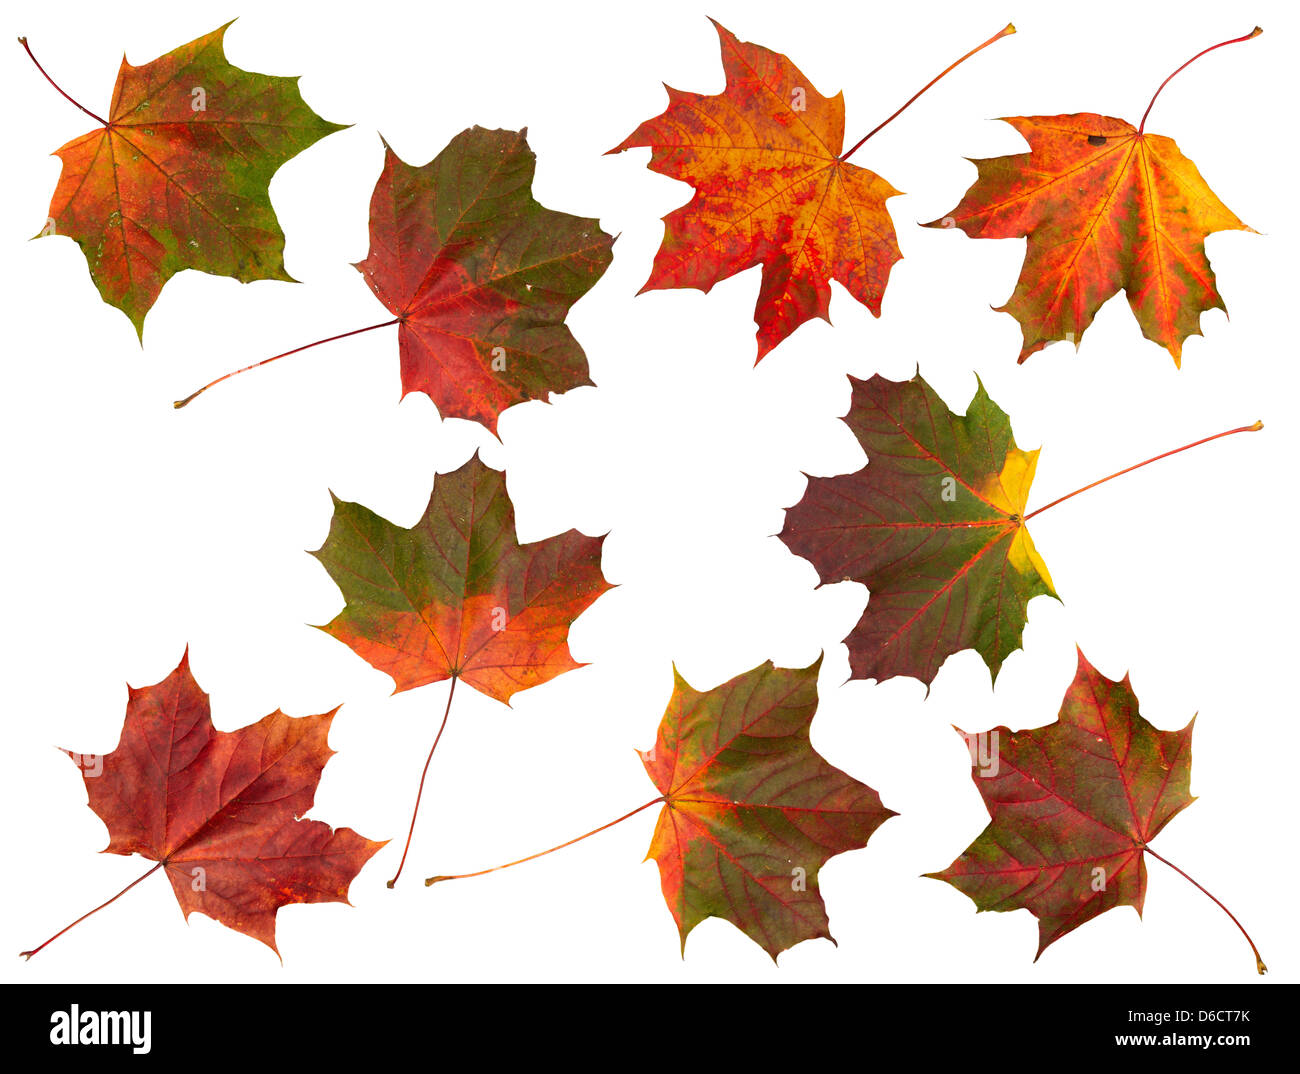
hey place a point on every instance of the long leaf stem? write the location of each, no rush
(543, 853)
(36, 950)
(1146, 462)
(1006, 30)
(1259, 962)
(420, 793)
(284, 354)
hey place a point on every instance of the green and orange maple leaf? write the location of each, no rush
(456, 595)
(750, 811)
(1106, 207)
(178, 175)
(221, 812)
(1074, 807)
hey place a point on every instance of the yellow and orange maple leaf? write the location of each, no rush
(1106, 207)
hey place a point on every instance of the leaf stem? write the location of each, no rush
(420, 793)
(1005, 31)
(541, 854)
(1259, 962)
(98, 119)
(1246, 37)
(1155, 458)
(306, 346)
(36, 950)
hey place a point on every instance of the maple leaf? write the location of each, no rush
(772, 187)
(456, 595)
(480, 275)
(178, 175)
(220, 811)
(1074, 806)
(751, 812)
(1105, 207)
(933, 525)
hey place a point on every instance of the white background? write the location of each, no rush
(132, 529)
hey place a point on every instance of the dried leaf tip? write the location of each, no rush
(1009, 29)
(1256, 427)
(1255, 33)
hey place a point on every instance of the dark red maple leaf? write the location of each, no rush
(221, 811)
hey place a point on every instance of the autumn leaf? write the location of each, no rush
(457, 596)
(751, 812)
(772, 187)
(178, 176)
(934, 527)
(1074, 806)
(480, 277)
(220, 811)
(1106, 207)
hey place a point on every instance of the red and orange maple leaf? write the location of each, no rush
(772, 188)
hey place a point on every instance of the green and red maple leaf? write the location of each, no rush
(751, 812)
(480, 275)
(1074, 807)
(933, 526)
